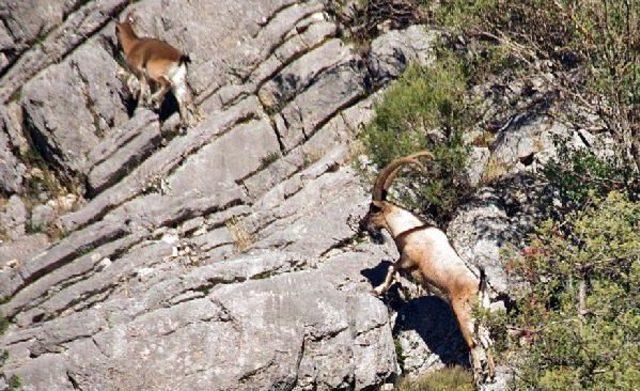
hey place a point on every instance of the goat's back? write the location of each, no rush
(150, 50)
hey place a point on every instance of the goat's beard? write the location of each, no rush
(376, 236)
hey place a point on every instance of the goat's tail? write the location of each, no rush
(185, 59)
(483, 289)
(483, 333)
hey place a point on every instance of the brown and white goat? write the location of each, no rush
(427, 255)
(156, 63)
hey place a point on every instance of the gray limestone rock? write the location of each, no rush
(13, 218)
(393, 51)
(11, 169)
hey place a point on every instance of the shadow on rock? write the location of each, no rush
(376, 274)
(169, 106)
(432, 319)
(426, 316)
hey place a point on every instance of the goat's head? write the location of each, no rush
(376, 218)
(125, 28)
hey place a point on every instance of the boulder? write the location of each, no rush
(393, 51)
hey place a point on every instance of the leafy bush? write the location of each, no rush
(447, 379)
(426, 105)
(577, 175)
(580, 317)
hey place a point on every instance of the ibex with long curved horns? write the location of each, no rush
(425, 253)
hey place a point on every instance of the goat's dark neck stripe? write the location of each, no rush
(411, 230)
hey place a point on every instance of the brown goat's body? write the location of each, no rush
(153, 57)
(424, 249)
(427, 255)
(158, 64)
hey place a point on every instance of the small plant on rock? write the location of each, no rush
(446, 379)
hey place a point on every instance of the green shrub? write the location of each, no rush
(4, 324)
(446, 379)
(426, 100)
(581, 313)
(14, 382)
(577, 175)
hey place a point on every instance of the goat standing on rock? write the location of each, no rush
(156, 63)
(425, 253)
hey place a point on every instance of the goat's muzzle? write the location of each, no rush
(365, 226)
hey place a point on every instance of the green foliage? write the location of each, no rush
(460, 15)
(14, 382)
(446, 379)
(4, 324)
(269, 158)
(426, 100)
(577, 175)
(581, 313)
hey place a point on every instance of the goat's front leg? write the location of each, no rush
(384, 287)
(145, 91)
(133, 85)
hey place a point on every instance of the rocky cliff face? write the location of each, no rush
(221, 258)
(138, 257)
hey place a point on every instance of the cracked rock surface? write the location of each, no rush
(221, 258)
(134, 256)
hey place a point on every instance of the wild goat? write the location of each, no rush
(425, 253)
(156, 62)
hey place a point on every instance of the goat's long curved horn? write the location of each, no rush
(390, 171)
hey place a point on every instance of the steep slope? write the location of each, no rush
(222, 258)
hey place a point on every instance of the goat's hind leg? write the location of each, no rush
(183, 96)
(479, 356)
(145, 91)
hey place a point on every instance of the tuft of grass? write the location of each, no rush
(14, 382)
(269, 158)
(364, 20)
(4, 324)
(446, 379)
(241, 237)
(16, 95)
(494, 170)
